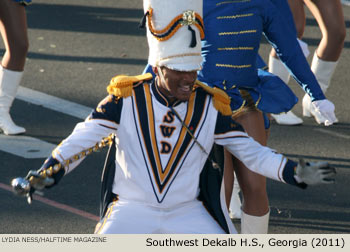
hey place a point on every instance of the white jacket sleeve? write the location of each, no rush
(254, 156)
(102, 122)
(84, 136)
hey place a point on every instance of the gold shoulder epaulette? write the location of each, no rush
(121, 85)
(221, 99)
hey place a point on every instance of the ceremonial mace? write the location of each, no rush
(25, 186)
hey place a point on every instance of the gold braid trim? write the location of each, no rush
(238, 112)
(48, 172)
(178, 17)
(121, 85)
(221, 99)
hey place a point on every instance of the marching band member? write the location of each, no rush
(233, 31)
(159, 177)
(330, 19)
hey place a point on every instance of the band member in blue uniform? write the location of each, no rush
(233, 31)
(13, 28)
(277, 67)
(159, 177)
(330, 19)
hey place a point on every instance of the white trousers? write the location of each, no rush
(129, 217)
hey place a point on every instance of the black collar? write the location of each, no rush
(160, 97)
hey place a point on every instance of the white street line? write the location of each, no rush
(29, 147)
(333, 133)
(26, 147)
(53, 103)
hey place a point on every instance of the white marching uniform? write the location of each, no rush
(160, 174)
(158, 164)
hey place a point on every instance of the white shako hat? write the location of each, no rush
(174, 33)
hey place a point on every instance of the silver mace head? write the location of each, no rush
(20, 186)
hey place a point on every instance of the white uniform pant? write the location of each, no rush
(126, 217)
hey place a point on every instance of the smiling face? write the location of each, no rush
(176, 85)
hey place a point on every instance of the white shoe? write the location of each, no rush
(309, 110)
(9, 82)
(288, 118)
(8, 126)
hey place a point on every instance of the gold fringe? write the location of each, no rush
(221, 99)
(121, 85)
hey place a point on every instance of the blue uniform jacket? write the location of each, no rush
(233, 31)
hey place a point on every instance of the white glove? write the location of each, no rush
(304, 47)
(326, 109)
(313, 173)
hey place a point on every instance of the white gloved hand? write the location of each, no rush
(326, 109)
(313, 173)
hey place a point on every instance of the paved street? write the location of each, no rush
(76, 47)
